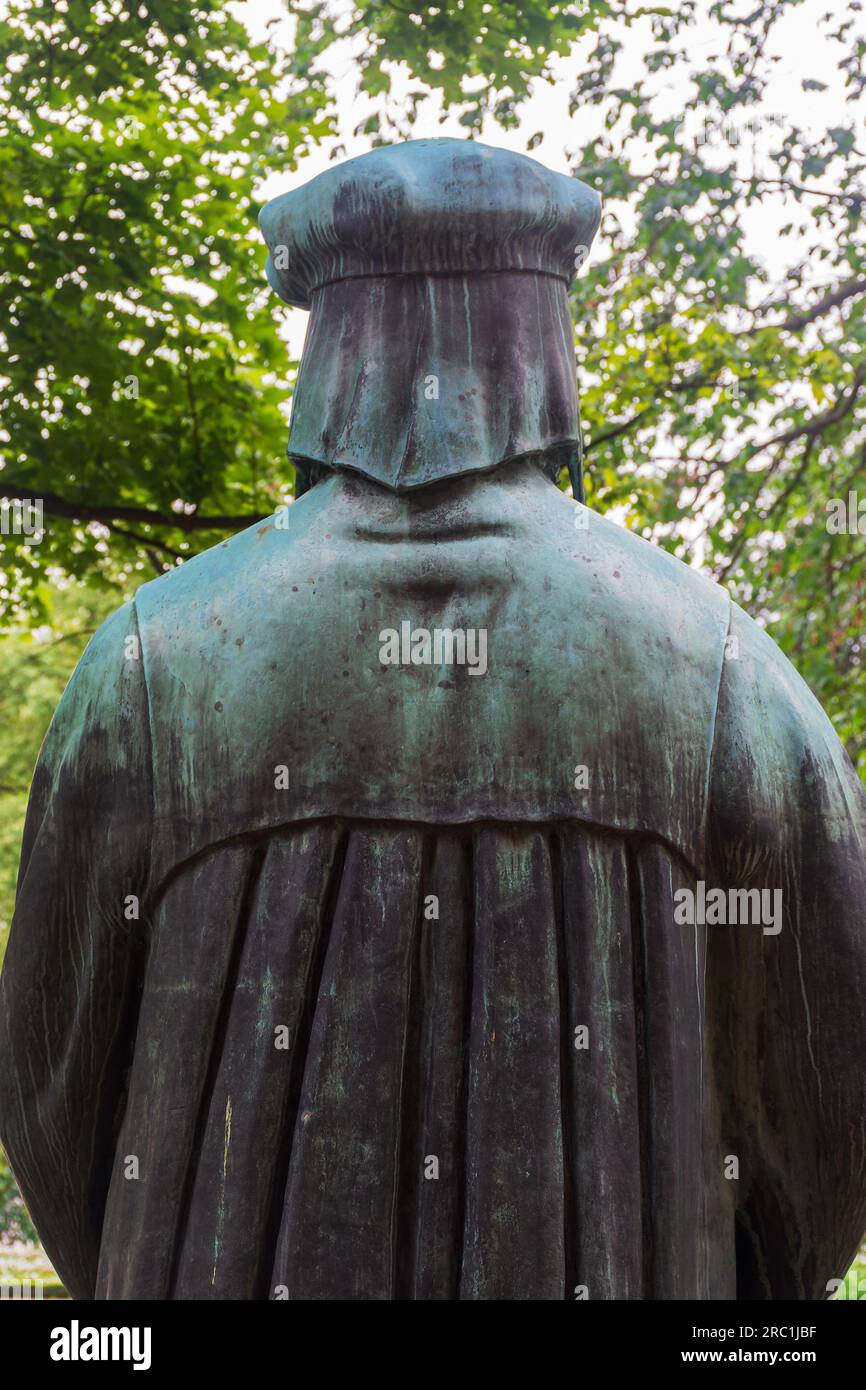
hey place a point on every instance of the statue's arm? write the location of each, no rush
(787, 814)
(72, 974)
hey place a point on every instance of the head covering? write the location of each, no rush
(439, 341)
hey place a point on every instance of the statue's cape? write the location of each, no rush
(294, 923)
(412, 379)
(266, 652)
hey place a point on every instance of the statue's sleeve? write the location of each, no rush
(787, 816)
(72, 975)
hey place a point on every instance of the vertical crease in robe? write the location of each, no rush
(428, 1067)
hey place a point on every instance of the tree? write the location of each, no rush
(743, 390)
(141, 374)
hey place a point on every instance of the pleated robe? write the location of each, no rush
(334, 979)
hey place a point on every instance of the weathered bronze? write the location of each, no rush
(370, 940)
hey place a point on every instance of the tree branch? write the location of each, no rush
(832, 195)
(110, 512)
(690, 384)
(819, 422)
(823, 306)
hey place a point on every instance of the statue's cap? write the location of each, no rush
(427, 207)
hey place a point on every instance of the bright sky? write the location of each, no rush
(797, 39)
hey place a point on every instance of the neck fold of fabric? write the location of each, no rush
(410, 379)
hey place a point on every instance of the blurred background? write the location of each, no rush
(146, 370)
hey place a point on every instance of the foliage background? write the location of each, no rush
(144, 381)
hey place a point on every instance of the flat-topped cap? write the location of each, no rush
(427, 207)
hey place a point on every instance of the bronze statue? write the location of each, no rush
(437, 891)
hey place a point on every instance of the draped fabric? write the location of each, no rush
(335, 979)
(471, 1031)
(453, 396)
